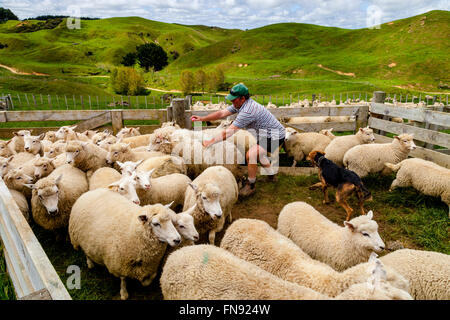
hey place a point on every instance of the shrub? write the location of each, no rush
(187, 81)
(129, 59)
(151, 55)
(127, 81)
(6, 14)
(201, 79)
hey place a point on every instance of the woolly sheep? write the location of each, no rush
(67, 133)
(43, 167)
(138, 141)
(85, 156)
(89, 133)
(209, 272)
(108, 142)
(100, 136)
(128, 239)
(170, 124)
(111, 179)
(5, 149)
(19, 159)
(50, 136)
(17, 142)
(4, 165)
(215, 191)
(328, 133)
(299, 145)
(163, 165)
(54, 196)
(33, 144)
(428, 272)
(337, 148)
(370, 158)
(323, 240)
(256, 242)
(16, 179)
(21, 202)
(122, 152)
(424, 176)
(55, 149)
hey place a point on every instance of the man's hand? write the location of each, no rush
(196, 118)
(207, 143)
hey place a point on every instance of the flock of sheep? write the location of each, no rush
(137, 203)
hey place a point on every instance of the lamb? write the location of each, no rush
(365, 159)
(328, 133)
(16, 179)
(85, 156)
(19, 159)
(21, 202)
(54, 196)
(110, 178)
(108, 142)
(427, 272)
(43, 167)
(424, 176)
(299, 145)
(55, 149)
(128, 132)
(164, 189)
(256, 242)
(337, 148)
(4, 165)
(163, 165)
(33, 144)
(50, 136)
(28, 167)
(323, 240)
(17, 142)
(100, 136)
(215, 191)
(5, 149)
(138, 141)
(128, 239)
(89, 133)
(67, 133)
(122, 152)
(209, 272)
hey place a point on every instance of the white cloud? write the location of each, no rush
(244, 14)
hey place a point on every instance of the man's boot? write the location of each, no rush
(247, 190)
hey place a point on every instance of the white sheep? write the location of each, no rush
(21, 202)
(138, 141)
(108, 142)
(323, 240)
(328, 133)
(428, 272)
(4, 165)
(55, 149)
(128, 239)
(54, 196)
(16, 179)
(67, 133)
(122, 152)
(299, 145)
(100, 136)
(19, 159)
(85, 156)
(163, 165)
(43, 166)
(257, 242)
(370, 158)
(33, 144)
(128, 132)
(337, 148)
(5, 149)
(424, 176)
(205, 272)
(50, 136)
(17, 142)
(215, 191)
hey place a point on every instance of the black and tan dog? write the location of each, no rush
(346, 182)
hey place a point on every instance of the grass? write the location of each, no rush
(417, 221)
(6, 287)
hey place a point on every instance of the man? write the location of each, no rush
(269, 132)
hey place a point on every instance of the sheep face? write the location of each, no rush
(107, 142)
(160, 224)
(116, 152)
(32, 144)
(128, 132)
(365, 232)
(208, 199)
(4, 150)
(143, 179)
(405, 141)
(48, 196)
(290, 132)
(367, 135)
(161, 144)
(43, 167)
(4, 162)
(74, 151)
(54, 150)
(184, 223)
(127, 188)
(100, 136)
(50, 136)
(16, 179)
(128, 167)
(64, 131)
(327, 132)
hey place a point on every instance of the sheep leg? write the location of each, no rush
(294, 163)
(123, 289)
(212, 236)
(90, 263)
(343, 192)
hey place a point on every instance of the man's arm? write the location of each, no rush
(213, 116)
(222, 135)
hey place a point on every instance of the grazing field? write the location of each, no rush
(415, 220)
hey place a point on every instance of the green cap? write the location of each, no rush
(237, 91)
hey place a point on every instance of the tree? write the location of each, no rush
(151, 55)
(6, 14)
(129, 59)
(126, 80)
(216, 80)
(187, 81)
(201, 78)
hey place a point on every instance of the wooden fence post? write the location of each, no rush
(28, 102)
(379, 97)
(362, 117)
(11, 101)
(90, 105)
(178, 112)
(116, 120)
(34, 100)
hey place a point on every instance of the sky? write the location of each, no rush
(236, 14)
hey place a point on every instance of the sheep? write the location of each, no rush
(5, 149)
(424, 176)
(299, 145)
(85, 156)
(17, 142)
(89, 133)
(33, 144)
(108, 142)
(16, 179)
(323, 240)
(43, 167)
(370, 158)
(28, 168)
(55, 149)
(128, 132)
(100, 136)
(209, 272)
(110, 178)
(4, 165)
(19, 159)
(256, 242)
(122, 152)
(128, 239)
(138, 141)
(428, 272)
(328, 133)
(50, 136)
(337, 148)
(67, 133)
(21, 202)
(170, 124)
(215, 191)
(163, 165)
(164, 189)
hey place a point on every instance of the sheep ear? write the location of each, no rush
(349, 225)
(128, 145)
(193, 186)
(106, 131)
(120, 164)
(113, 185)
(190, 211)
(361, 129)
(139, 162)
(143, 218)
(396, 137)
(15, 133)
(151, 172)
(331, 129)
(10, 158)
(137, 128)
(58, 180)
(370, 214)
(73, 128)
(169, 205)
(31, 186)
(41, 136)
(9, 141)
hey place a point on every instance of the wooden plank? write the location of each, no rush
(316, 127)
(430, 136)
(42, 294)
(416, 114)
(94, 122)
(145, 114)
(28, 265)
(2, 116)
(437, 157)
(116, 120)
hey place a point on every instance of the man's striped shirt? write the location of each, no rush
(252, 115)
